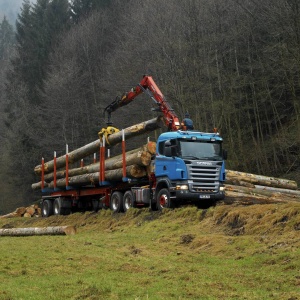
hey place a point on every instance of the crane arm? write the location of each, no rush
(148, 86)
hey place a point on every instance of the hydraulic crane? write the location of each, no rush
(148, 86)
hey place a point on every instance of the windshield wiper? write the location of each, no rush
(190, 157)
(211, 157)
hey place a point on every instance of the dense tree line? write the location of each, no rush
(233, 65)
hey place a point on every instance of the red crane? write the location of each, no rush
(148, 86)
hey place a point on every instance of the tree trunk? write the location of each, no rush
(93, 147)
(57, 230)
(235, 177)
(133, 171)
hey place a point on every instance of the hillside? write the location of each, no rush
(224, 252)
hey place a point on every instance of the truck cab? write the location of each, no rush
(191, 165)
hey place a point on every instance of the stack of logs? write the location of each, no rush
(137, 161)
(26, 212)
(247, 188)
(137, 166)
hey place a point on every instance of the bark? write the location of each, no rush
(57, 230)
(93, 147)
(133, 171)
(235, 177)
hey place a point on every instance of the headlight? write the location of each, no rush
(222, 188)
(182, 187)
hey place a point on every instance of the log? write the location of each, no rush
(10, 215)
(93, 147)
(291, 193)
(56, 230)
(133, 171)
(259, 195)
(140, 158)
(235, 177)
(234, 197)
(30, 211)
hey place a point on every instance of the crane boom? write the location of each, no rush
(148, 86)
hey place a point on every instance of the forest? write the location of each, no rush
(233, 64)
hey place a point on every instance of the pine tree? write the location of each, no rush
(38, 27)
(6, 39)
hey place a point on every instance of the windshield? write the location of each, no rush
(201, 150)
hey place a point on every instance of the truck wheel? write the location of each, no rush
(59, 209)
(47, 208)
(116, 202)
(128, 200)
(163, 199)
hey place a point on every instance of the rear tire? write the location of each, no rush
(61, 207)
(57, 209)
(47, 208)
(116, 202)
(128, 200)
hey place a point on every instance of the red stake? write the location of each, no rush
(43, 174)
(54, 169)
(103, 159)
(123, 154)
(67, 165)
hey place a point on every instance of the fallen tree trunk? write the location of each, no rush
(237, 178)
(93, 147)
(57, 230)
(133, 171)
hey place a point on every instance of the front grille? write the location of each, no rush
(205, 178)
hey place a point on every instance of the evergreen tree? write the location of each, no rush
(38, 26)
(6, 38)
(37, 29)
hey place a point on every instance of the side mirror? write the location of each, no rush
(224, 154)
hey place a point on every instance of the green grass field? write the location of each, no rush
(225, 252)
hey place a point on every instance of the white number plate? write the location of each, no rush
(204, 196)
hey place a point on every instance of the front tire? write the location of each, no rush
(163, 199)
(47, 208)
(116, 202)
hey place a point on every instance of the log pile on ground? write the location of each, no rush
(247, 188)
(26, 212)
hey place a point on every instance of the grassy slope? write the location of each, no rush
(225, 252)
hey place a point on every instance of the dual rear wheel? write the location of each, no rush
(120, 202)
